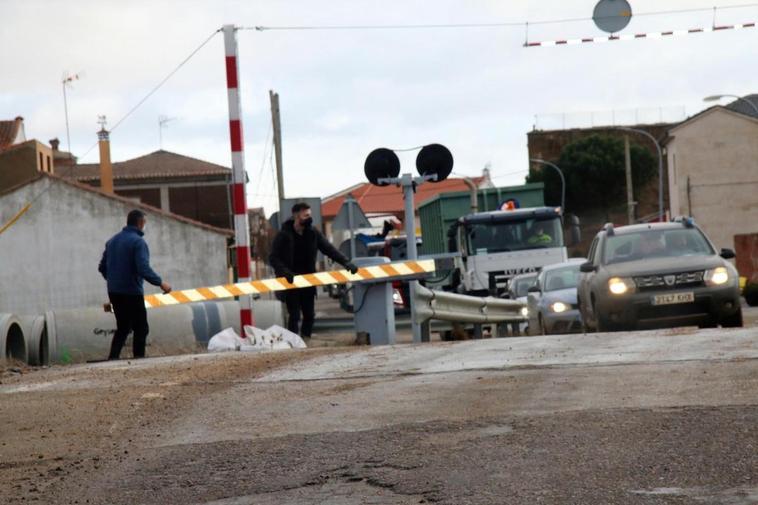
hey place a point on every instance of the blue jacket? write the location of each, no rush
(126, 261)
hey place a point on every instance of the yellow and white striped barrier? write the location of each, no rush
(386, 271)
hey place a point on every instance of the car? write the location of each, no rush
(658, 275)
(518, 289)
(551, 303)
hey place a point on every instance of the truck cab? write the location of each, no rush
(495, 246)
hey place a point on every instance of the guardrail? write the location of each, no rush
(444, 306)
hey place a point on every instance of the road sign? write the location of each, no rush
(612, 16)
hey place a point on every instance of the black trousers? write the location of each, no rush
(301, 300)
(131, 315)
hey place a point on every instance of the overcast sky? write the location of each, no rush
(344, 93)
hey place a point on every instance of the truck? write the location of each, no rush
(517, 235)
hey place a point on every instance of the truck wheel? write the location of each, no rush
(733, 321)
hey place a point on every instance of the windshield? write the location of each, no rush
(520, 287)
(656, 244)
(562, 278)
(514, 235)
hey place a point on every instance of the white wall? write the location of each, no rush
(49, 258)
(719, 153)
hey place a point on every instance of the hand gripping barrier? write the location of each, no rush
(388, 272)
(453, 307)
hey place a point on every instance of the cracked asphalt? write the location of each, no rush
(649, 418)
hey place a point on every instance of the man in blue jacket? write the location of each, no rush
(125, 263)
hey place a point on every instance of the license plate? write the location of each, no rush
(673, 298)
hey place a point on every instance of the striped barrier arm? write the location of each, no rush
(388, 271)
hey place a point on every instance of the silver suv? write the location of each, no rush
(657, 275)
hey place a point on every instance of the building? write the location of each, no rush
(21, 159)
(549, 144)
(189, 187)
(387, 201)
(51, 254)
(713, 157)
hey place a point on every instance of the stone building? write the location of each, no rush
(713, 157)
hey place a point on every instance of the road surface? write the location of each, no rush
(668, 417)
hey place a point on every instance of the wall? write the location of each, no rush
(49, 258)
(21, 163)
(717, 152)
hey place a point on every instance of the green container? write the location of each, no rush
(440, 212)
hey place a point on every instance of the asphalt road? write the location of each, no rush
(649, 418)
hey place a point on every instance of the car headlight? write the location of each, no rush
(621, 285)
(559, 307)
(716, 276)
(525, 311)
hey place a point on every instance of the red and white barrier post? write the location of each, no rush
(239, 178)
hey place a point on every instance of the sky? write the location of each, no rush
(344, 93)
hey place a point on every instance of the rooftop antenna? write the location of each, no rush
(67, 79)
(162, 122)
(102, 121)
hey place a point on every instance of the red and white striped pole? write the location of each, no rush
(239, 177)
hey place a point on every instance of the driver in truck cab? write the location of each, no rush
(539, 237)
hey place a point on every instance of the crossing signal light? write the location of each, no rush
(435, 159)
(381, 163)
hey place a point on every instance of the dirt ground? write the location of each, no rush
(239, 429)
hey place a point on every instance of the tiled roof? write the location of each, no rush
(154, 165)
(9, 131)
(389, 199)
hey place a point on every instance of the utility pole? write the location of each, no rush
(68, 79)
(277, 127)
(629, 189)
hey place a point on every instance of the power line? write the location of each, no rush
(157, 87)
(504, 24)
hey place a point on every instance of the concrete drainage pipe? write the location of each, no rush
(12, 343)
(85, 334)
(37, 345)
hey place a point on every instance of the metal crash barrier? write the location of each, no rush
(456, 308)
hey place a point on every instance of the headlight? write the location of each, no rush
(397, 298)
(559, 307)
(524, 311)
(717, 276)
(620, 285)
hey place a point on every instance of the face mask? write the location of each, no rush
(307, 223)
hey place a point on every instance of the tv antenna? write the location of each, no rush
(162, 122)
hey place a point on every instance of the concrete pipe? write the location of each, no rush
(35, 333)
(12, 343)
(85, 334)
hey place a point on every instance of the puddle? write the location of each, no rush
(331, 493)
(733, 496)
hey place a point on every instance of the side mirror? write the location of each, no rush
(587, 267)
(575, 230)
(533, 289)
(727, 254)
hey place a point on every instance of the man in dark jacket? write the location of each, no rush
(294, 253)
(125, 263)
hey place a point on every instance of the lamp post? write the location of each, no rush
(660, 164)
(715, 98)
(563, 180)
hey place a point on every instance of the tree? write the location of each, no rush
(595, 173)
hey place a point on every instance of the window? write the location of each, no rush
(41, 164)
(653, 243)
(49, 165)
(562, 278)
(506, 236)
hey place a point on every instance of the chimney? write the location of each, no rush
(106, 170)
(54, 143)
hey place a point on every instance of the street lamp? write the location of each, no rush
(715, 98)
(660, 164)
(563, 180)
